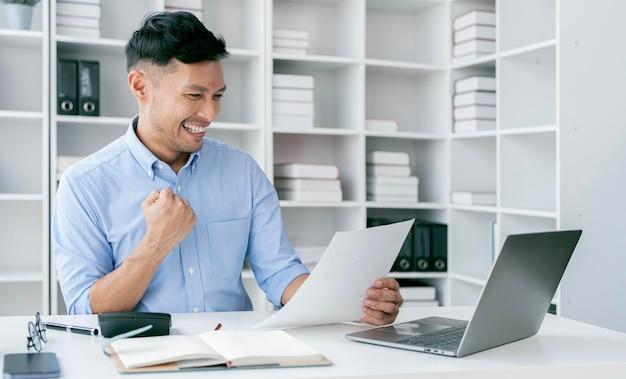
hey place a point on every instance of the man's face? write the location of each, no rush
(182, 101)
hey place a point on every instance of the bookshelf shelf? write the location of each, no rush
(21, 197)
(20, 115)
(24, 128)
(22, 275)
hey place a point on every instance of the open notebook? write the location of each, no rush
(218, 349)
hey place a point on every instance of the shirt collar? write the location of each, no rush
(144, 157)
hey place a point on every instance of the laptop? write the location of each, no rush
(512, 305)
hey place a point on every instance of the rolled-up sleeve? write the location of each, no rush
(273, 260)
(80, 248)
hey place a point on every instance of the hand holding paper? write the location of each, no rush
(334, 291)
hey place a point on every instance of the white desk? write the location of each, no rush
(562, 348)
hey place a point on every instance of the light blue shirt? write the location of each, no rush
(97, 222)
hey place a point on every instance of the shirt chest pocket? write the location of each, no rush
(228, 243)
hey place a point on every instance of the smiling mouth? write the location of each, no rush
(195, 128)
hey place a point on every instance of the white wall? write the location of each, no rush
(593, 135)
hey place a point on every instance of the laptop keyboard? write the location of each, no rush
(448, 339)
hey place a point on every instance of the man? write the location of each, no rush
(163, 218)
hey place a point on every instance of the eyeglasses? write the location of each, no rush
(36, 334)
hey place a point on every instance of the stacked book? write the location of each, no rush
(474, 34)
(290, 41)
(293, 105)
(381, 125)
(307, 182)
(474, 103)
(191, 6)
(473, 198)
(417, 294)
(389, 177)
(78, 18)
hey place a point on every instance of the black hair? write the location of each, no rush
(165, 36)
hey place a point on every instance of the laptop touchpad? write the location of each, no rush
(409, 329)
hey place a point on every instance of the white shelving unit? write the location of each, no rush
(387, 59)
(24, 262)
(517, 160)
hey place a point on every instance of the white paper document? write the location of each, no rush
(335, 290)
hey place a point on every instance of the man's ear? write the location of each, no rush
(137, 83)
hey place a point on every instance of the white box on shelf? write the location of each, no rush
(306, 170)
(79, 10)
(291, 33)
(475, 112)
(387, 157)
(387, 170)
(474, 17)
(475, 47)
(308, 184)
(474, 98)
(293, 81)
(381, 125)
(473, 125)
(293, 108)
(289, 50)
(84, 22)
(420, 303)
(418, 292)
(292, 121)
(78, 31)
(304, 195)
(290, 43)
(474, 198)
(292, 94)
(475, 83)
(483, 32)
(382, 179)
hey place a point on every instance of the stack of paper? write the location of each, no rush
(389, 177)
(191, 6)
(473, 198)
(417, 294)
(307, 182)
(474, 34)
(290, 41)
(79, 18)
(293, 100)
(474, 103)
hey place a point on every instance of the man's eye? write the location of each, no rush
(195, 95)
(218, 96)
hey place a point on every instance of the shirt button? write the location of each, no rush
(195, 310)
(179, 188)
(191, 270)
(160, 166)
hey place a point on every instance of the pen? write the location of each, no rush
(71, 328)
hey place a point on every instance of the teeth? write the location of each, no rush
(195, 129)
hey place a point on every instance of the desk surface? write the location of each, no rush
(562, 347)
